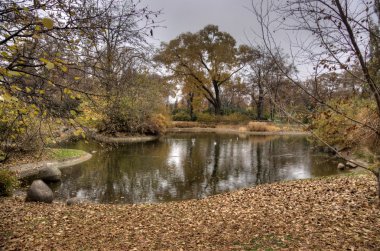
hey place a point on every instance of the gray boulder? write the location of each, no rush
(39, 192)
(341, 166)
(75, 201)
(50, 174)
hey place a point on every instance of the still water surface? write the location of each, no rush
(189, 166)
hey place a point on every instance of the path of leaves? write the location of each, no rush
(339, 213)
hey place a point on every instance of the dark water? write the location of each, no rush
(188, 166)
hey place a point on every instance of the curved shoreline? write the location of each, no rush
(234, 131)
(31, 169)
(121, 140)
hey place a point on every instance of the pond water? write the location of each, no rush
(189, 166)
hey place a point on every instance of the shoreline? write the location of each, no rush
(235, 131)
(31, 169)
(121, 140)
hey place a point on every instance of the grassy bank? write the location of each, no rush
(334, 213)
(63, 154)
(48, 154)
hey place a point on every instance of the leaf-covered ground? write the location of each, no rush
(338, 213)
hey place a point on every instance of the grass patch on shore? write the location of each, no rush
(62, 153)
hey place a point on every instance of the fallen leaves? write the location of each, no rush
(310, 214)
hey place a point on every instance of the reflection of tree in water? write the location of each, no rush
(212, 179)
(260, 173)
(189, 166)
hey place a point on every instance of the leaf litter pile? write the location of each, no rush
(336, 213)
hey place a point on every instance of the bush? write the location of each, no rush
(156, 125)
(207, 118)
(191, 124)
(339, 131)
(181, 116)
(233, 118)
(8, 182)
(262, 127)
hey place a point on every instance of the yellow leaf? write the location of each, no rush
(13, 73)
(48, 23)
(63, 68)
(48, 64)
(15, 87)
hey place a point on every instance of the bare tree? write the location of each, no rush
(339, 36)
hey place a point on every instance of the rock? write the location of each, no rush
(341, 166)
(351, 165)
(39, 192)
(50, 174)
(75, 201)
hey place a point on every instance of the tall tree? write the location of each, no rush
(209, 57)
(265, 78)
(43, 54)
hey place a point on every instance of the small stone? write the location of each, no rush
(39, 192)
(341, 166)
(351, 165)
(50, 174)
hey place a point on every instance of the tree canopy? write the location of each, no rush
(208, 59)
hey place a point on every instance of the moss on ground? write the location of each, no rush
(62, 153)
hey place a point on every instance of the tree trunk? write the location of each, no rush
(190, 105)
(271, 110)
(260, 104)
(218, 103)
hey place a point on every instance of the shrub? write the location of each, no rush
(234, 118)
(191, 124)
(156, 125)
(181, 116)
(338, 130)
(207, 118)
(8, 182)
(262, 127)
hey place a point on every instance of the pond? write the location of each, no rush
(189, 166)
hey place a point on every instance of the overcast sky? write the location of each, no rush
(192, 15)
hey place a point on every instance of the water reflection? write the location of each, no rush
(186, 166)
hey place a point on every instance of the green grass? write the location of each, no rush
(61, 154)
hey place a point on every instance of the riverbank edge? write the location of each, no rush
(31, 169)
(121, 140)
(235, 131)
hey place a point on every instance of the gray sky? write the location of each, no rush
(232, 16)
(192, 15)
